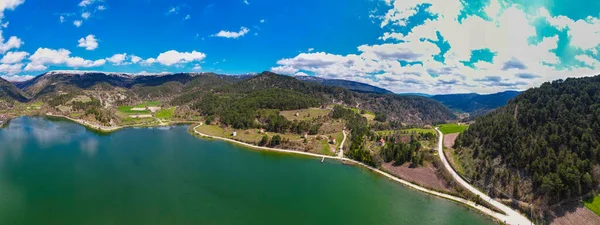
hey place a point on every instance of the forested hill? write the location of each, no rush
(476, 104)
(542, 146)
(10, 92)
(405, 109)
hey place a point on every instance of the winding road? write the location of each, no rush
(511, 216)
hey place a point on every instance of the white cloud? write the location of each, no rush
(89, 42)
(85, 15)
(62, 19)
(85, 3)
(14, 57)
(311, 49)
(518, 63)
(77, 23)
(287, 70)
(11, 68)
(173, 57)
(231, 34)
(135, 59)
(12, 42)
(101, 8)
(18, 78)
(32, 67)
(118, 59)
(173, 10)
(587, 60)
(45, 56)
(187, 17)
(148, 61)
(246, 2)
(197, 67)
(262, 21)
(8, 5)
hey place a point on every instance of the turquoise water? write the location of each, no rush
(58, 172)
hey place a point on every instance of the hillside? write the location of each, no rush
(543, 147)
(10, 92)
(189, 89)
(347, 84)
(406, 109)
(475, 104)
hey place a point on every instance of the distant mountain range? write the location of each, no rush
(350, 85)
(476, 104)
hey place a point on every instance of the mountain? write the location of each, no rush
(476, 104)
(350, 85)
(406, 109)
(144, 86)
(542, 147)
(10, 92)
(191, 88)
(415, 94)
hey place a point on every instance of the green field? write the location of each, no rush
(451, 128)
(419, 130)
(593, 204)
(165, 113)
(127, 110)
(148, 104)
(304, 114)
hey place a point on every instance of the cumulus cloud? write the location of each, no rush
(33, 67)
(85, 15)
(17, 78)
(429, 57)
(135, 59)
(14, 57)
(11, 68)
(8, 5)
(85, 3)
(173, 57)
(287, 70)
(246, 2)
(89, 42)
(45, 56)
(12, 43)
(77, 23)
(117, 59)
(232, 34)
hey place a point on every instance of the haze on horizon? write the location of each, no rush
(427, 46)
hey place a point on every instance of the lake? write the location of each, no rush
(58, 172)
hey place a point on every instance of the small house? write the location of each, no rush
(262, 131)
(234, 134)
(332, 141)
(297, 114)
(305, 135)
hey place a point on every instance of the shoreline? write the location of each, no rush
(106, 129)
(495, 216)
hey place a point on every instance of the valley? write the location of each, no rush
(384, 131)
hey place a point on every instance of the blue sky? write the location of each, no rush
(431, 46)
